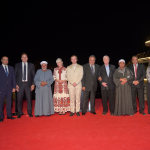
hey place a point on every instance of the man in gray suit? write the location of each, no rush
(89, 84)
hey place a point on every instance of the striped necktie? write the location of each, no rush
(6, 71)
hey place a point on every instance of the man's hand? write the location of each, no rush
(32, 87)
(100, 78)
(74, 84)
(104, 84)
(124, 81)
(83, 88)
(17, 88)
(135, 82)
(13, 90)
(43, 83)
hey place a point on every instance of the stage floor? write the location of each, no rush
(89, 132)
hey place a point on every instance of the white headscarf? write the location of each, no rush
(122, 60)
(43, 62)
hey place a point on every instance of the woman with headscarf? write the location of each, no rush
(61, 97)
(43, 101)
(123, 79)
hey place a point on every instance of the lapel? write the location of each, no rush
(138, 68)
(89, 68)
(3, 71)
(8, 71)
(109, 70)
(132, 69)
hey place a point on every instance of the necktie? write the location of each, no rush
(6, 71)
(135, 72)
(24, 75)
(92, 69)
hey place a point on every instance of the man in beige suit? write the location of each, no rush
(74, 76)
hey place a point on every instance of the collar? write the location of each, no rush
(107, 65)
(4, 65)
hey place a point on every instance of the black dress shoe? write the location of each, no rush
(112, 114)
(36, 115)
(11, 118)
(83, 113)
(93, 112)
(78, 114)
(134, 112)
(19, 116)
(104, 113)
(71, 114)
(30, 115)
(143, 113)
(1, 120)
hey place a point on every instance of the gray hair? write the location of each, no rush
(106, 56)
(92, 56)
(58, 60)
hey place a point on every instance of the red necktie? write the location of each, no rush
(135, 72)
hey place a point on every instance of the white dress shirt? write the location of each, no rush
(74, 66)
(26, 71)
(6, 67)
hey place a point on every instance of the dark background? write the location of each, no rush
(47, 30)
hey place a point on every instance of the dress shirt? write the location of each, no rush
(26, 71)
(107, 69)
(74, 66)
(6, 67)
(134, 66)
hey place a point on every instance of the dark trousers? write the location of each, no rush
(8, 95)
(27, 90)
(86, 98)
(148, 96)
(140, 92)
(110, 94)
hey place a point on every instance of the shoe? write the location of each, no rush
(11, 118)
(83, 113)
(71, 114)
(1, 120)
(112, 114)
(134, 112)
(93, 112)
(19, 116)
(104, 113)
(30, 115)
(143, 113)
(36, 115)
(78, 114)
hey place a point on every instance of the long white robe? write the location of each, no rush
(44, 100)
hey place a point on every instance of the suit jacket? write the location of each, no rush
(7, 81)
(105, 78)
(74, 76)
(141, 74)
(30, 74)
(89, 80)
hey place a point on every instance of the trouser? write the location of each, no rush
(140, 92)
(148, 96)
(8, 95)
(86, 98)
(75, 95)
(110, 94)
(24, 89)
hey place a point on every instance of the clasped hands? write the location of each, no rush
(43, 83)
(123, 81)
(136, 82)
(104, 83)
(17, 88)
(60, 81)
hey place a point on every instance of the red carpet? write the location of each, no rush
(89, 132)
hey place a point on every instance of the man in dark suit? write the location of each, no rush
(7, 86)
(24, 72)
(89, 84)
(139, 73)
(107, 85)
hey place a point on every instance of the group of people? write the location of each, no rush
(119, 85)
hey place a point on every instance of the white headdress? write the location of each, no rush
(43, 62)
(121, 60)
